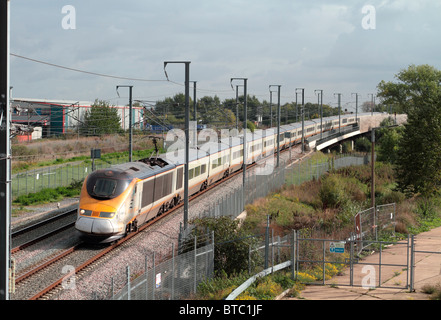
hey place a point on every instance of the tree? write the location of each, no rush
(415, 82)
(388, 139)
(101, 118)
(418, 163)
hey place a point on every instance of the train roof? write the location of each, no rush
(141, 169)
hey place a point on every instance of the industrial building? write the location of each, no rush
(39, 118)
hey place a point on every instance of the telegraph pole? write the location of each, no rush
(130, 120)
(187, 132)
(5, 153)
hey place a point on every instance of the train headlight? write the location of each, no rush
(84, 212)
(107, 214)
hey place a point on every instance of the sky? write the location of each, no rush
(342, 47)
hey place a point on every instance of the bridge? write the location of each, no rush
(364, 125)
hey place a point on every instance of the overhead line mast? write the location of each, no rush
(5, 153)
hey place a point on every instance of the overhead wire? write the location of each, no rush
(84, 71)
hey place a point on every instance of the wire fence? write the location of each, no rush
(374, 223)
(62, 175)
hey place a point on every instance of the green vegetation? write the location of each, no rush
(326, 205)
(101, 119)
(49, 195)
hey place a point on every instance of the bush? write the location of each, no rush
(229, 238)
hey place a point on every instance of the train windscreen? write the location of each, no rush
(106, 188)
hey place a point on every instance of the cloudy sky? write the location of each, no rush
(337, 46)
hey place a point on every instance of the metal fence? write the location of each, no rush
(320, 257)
(374, 223)
(62, 175)
(260, 185)
(174, 279)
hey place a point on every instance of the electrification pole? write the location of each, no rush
(237, 107)
(321, 110)
(303, 116)
(187, 132)
(339, 111)
(356, 107)
(130, 120)
(5, 153)
(372, 103)
(278, 121)
(195, 130)
(245, 80)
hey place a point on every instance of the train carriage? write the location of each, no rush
(116, 200)
(219, 160)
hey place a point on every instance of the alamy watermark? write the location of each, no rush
(69, 21)
(369, 21)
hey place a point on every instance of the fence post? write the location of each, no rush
(293, 255)
(128, 282)
(195, 265)
(324, 261)
(351, 260)
(412, 262)
(267, 242)
(153, 277)
(112, 288)
(146, 278)
(173, 272)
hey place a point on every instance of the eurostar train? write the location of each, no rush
(117, 200)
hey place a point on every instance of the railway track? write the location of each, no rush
(76, 258)
(41, 230)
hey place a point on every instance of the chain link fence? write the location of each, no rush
(173, 279)
(62, 175)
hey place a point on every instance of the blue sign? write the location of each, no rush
(337, 247)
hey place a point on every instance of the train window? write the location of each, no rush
(345, 120)
(214, 164)
(147, 192)
(203, 168)
(159, 182)
(197, 171)
(190, 174)
(104, 187)
(167, 184)
(179, 178)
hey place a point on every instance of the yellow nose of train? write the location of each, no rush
(103, 193)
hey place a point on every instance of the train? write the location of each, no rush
(117, 200)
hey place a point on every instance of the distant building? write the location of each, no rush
(56, 117)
